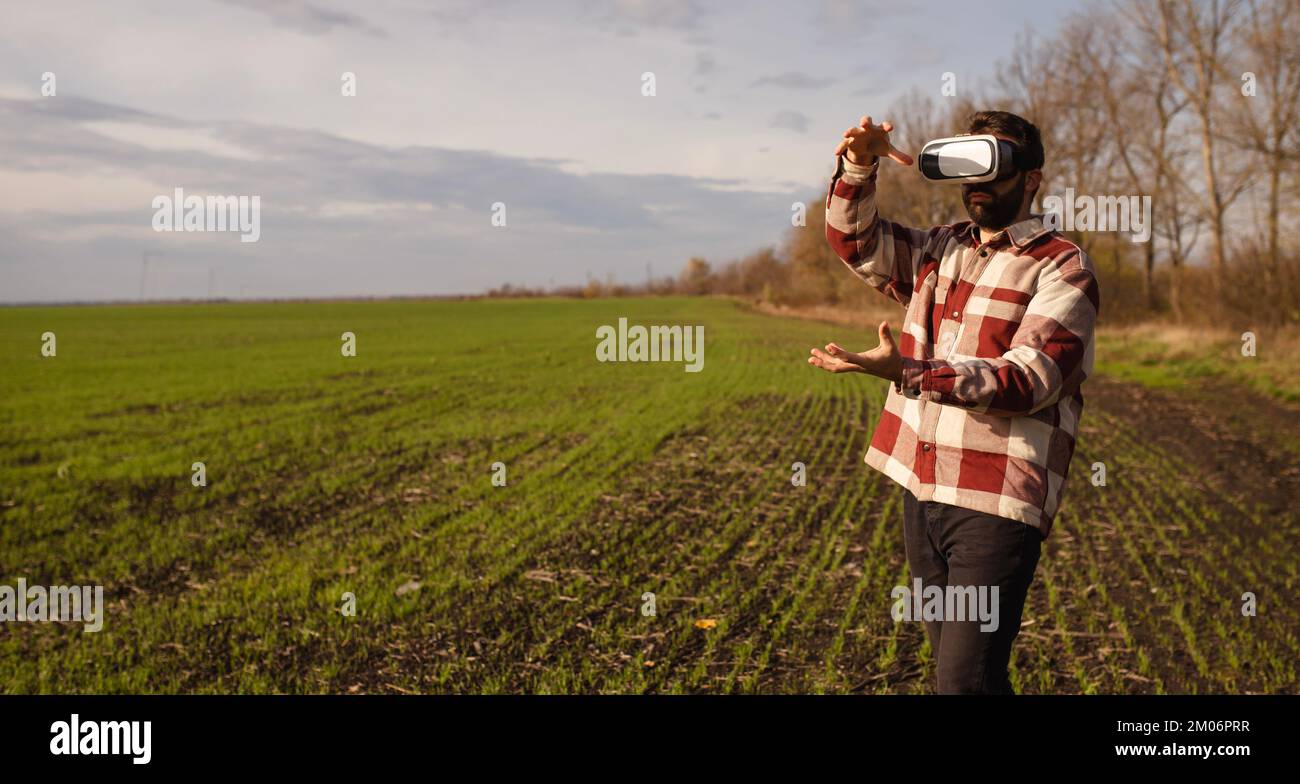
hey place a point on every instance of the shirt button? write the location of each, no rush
(925, 447)
(955, 314)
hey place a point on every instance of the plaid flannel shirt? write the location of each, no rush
(986, 413)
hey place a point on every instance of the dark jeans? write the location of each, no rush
(949, 545)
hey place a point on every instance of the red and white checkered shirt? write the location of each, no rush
(996, 342)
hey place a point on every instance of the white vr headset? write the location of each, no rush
(970, 158)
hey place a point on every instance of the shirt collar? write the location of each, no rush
(1027, 231)
(1021, 234)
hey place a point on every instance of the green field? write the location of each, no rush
(373, 475)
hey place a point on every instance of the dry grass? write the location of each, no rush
(866, 319)
(1155, 353)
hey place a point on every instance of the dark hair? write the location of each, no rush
(1014, 127)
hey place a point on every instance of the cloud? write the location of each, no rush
(796, 80)
(842, 21)
(790, 120)
(308, 17)
(628, 17)
(338, 216)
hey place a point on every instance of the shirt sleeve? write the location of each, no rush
(1050, 354)
(883, 253)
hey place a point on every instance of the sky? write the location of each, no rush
(537, 108)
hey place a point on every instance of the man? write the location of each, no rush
(980, 421)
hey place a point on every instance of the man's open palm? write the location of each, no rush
(884, 360)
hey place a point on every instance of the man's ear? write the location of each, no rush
(1033, 179)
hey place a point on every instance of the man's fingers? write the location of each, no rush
(900, 156)
(865, 129)
(825, 362)
(835, 350)
(818, 362)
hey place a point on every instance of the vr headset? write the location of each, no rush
(970, 158)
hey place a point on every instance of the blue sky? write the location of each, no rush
(459, 105)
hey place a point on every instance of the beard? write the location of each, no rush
(999, 211)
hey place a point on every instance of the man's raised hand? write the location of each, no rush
(866, 142)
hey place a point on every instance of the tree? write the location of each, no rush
(696, 276)
(1191, 37)
(1266, 124)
